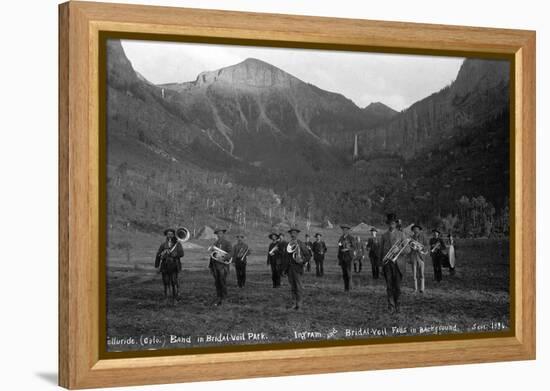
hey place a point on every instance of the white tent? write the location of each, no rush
(206, 233)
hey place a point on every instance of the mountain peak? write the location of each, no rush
(380, 109)
(250, 72)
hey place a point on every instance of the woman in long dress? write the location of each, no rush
(452, 256)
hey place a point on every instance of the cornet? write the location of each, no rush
(415, 245)
(273, 250)
(436, 247)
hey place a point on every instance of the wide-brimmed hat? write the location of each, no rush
(169, 230)
(436, 230)
(241, 234)
(345, 225)
(295, 229)
(391, 217)
(272, 234)
(373, 229)
(219, 229)
(318, 234)
(416, 226)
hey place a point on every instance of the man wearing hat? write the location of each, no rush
(240, 253)
(274, 258)
(346, 251)
(373, 245)
(220, 267)
(297, 255)
(168, 261)
(390, 270)
(417, 257)
(437, 245)
(319, 250)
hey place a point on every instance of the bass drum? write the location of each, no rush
(452, 257)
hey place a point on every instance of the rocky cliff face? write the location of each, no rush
(479, 93)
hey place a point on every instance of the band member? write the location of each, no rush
(373, 248)
(274, 258)
(308, 244)
(282, 244)
(358, 255)
(168, 261)
(220, 267)
(437, 245)
(319, 250)
(390, 270)
(417, 257)
(240, 253)
(296, 254)
(346, 249)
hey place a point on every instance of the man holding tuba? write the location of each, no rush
(220, 258)
(240, 253)
(297, 255)
(168, 261)
(392, 241)
(275, 253)
(346, 251)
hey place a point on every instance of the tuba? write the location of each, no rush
(219, 255)
(183, 234)
(395, 251)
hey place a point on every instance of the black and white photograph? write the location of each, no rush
(264, 195)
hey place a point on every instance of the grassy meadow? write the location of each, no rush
(475, 299)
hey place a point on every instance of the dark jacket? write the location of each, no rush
(169, 252)
(319, 249)
(225, 245)
(240, 249)
(296, 265)
(346, 248)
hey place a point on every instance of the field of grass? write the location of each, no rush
(475, 299)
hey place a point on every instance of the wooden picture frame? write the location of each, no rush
(80, 172)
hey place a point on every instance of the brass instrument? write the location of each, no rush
(395, 251)
(243, 252)
(294, 249)
(436, 247)
(183, 234)
(219, 255)
(274, 250)
(416, 245)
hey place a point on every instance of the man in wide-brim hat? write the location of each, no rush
(295, 261)
(437, 245)
(390, 268)
(417, 257)
(346, 249)
(240, 253)
(168, 262)
(274, 258)
(220, 267)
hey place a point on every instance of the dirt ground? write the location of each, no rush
(475, 299)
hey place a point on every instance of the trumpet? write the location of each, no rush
(219, 255)
(273, 250)
(243, 253)
(435, 247)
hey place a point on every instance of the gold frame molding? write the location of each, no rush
(82, 27)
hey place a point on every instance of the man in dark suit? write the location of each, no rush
(297, 255)
(319, 250)
(373, 245)
(168, 261)
(274, 258)
(346, 251)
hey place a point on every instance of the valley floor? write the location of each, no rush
(474, 300)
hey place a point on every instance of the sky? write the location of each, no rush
(396, 80)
